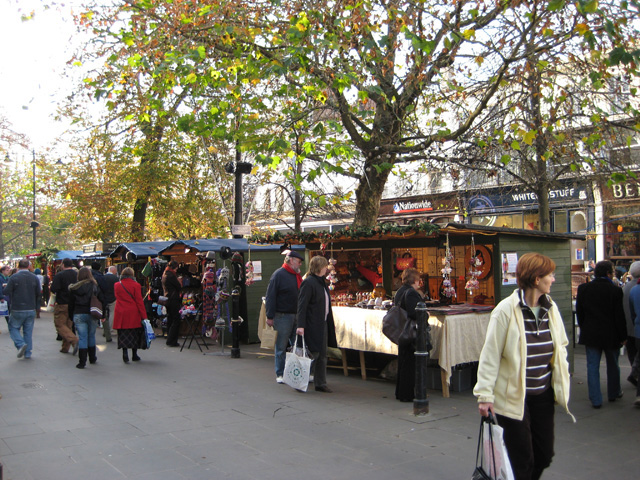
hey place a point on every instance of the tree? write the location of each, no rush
(560, 110)
(401, 79)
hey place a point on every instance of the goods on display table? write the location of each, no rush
(456, 282)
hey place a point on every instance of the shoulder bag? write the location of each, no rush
(96, 306)
(397, 326)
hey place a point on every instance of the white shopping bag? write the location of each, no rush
(297, 368)
(51, 303)
(493, 440)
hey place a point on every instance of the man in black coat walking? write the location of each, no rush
(602, 329)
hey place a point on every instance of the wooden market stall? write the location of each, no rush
(265, 259)
(459, 295)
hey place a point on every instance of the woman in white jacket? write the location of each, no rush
(523, 369)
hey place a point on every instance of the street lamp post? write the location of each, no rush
(34, 225)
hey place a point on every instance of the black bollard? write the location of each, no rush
(423, 347)
(236, 320)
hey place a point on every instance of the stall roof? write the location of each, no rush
(388, 231)
(482, 229)
(141, 249)
(72, 254)
(235, 244)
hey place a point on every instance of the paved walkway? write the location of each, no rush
(183, 415)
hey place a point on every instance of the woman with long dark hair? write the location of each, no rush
(80, 304)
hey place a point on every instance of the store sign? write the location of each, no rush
(241, 229)
(515, 197)
(90, 248)
(109, 246)
(411, 207)
(622, 191)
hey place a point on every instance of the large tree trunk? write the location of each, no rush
(369, 193)
(153, 138)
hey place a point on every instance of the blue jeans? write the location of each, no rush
(24, 320)
(594, 354)
(86, 327)
(285, 325)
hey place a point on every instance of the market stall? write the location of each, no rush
(465, 271)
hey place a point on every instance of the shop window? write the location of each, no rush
(531, 221)
(578, 222)
(503, 221)
(560, 221)
(622, 238)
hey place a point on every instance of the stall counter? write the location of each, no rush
(456, 339)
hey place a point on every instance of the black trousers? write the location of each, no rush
(173, 322)
(530, 441)
(406, 378)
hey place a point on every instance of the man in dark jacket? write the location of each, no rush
(109, 279)
(602, 329)
(25, 292)
(281, 306)
(62, 317)
(172, 288)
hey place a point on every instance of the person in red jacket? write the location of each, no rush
(129, 314)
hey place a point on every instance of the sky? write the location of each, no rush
(34, 54)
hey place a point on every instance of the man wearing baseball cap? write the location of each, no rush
(282, 304)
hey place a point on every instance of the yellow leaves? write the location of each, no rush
(529, 137)
(191, 78)
(212, 149)
(301, 27)
(582, 28)
(479, 60)
(469, 34)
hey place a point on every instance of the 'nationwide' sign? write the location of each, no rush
(407, 207)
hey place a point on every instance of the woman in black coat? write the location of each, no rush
(315, 319)
(408, 298)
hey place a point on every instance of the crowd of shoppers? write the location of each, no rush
(523, 370)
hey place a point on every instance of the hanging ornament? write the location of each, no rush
(332, 276)
(475, 262)
(248, 274)
(448, 290)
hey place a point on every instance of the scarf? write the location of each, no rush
(288, 268)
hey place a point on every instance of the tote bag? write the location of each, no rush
(297, 368)
(268, 340)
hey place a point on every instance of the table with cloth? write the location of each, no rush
(456, 338)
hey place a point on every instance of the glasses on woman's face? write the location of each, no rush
(552, 275)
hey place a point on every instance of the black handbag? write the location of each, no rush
(480, 473)
(397, 326)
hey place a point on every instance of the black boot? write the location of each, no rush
(125, 355)
(82, 357)
(92, 355)
(134, 355)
